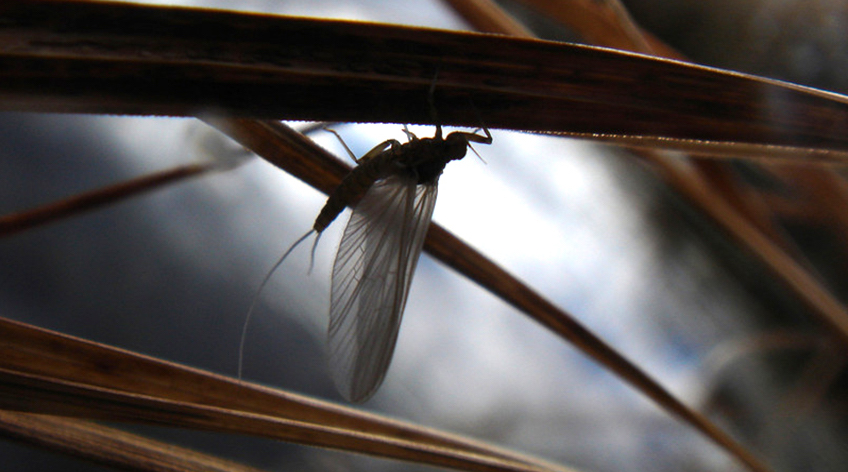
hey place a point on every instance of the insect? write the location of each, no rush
(392, 193)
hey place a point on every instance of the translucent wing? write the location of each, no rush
(371, 277)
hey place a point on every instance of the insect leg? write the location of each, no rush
(476, 138)
(410, 136)
(349, 152)
(379, 149)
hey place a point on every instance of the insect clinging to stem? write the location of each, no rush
(392, 193)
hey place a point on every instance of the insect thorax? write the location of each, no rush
(426, 158)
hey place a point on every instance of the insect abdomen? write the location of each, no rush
(353, 187)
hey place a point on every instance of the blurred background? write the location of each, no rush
(171, 274)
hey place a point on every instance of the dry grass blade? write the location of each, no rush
(741, 220)
(291, 151)
(704, 183)
(487, 17)
(609, 24)
(16, 222)
(108, 446)
(600, 22)
(303, 69)
(824, 194)
(707, 183)
(821, 371)
(822, 303)
(46, 372)
(115, 58)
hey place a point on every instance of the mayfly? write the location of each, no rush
(392, 193)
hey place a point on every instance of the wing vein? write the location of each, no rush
(371, 277)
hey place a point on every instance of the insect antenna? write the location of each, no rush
(267, 278)
(476, 153)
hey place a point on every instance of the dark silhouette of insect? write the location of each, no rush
(392, 193)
